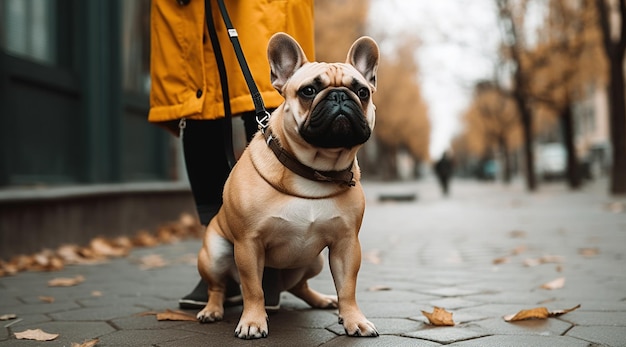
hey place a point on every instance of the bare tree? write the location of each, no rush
(511, 21)
(617, 108)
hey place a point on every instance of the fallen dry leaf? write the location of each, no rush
(151, 261)
(188, 259)
(22, 262)
(615, 207)
(372, 256)
(100, 249)
(122, 242)
(175, 315)
(501, 260)
(546, 259)
(188, 221)
(37, 334)
(106, 248)
(554, 284)
(8, 316)
(46, 299)
(517, 234)
(533, 313)
(589, 252)
(537, 313)
(66, 281)
(519, 250)
(143, 238)
(7, 269)
(378, 288)
(439, 317)
(557, 313)
(91, 256)
(90, 343)
(167, 235)
(46, 260)
(531, 262)
(70, 254)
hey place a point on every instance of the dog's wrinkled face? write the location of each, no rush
(338, 109)
(330, 103)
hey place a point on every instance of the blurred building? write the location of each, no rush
(591, 133)
(78, 157)
(593, 142)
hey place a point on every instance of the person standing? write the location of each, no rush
(186, 96)
(443, 170)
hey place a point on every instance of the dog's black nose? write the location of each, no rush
(338, 96)
(338, 103)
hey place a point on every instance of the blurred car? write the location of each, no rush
(551, 161)
(487, 170)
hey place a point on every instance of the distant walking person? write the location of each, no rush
(443, 170)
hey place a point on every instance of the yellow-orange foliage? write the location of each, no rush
(491, 117)
(401, 113)
(337, 25)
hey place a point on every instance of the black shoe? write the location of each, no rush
(198, 298)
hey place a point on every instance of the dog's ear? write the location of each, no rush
(364, 56)
(285, 56)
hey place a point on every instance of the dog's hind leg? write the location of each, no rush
(296, 282)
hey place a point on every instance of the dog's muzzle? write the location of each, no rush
(336, 122)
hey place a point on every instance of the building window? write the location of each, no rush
(136, 46)
(28, 29)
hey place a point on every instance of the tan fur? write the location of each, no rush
(273, 217)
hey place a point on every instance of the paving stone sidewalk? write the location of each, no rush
(465, 253)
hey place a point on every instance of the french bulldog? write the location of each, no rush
(295, 191)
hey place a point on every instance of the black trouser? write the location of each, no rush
(206, 163)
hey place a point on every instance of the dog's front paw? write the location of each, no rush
(251, 328)
(357, 325)
(208, 315)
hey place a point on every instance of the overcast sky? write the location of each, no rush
(459, 41)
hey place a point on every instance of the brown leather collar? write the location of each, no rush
(342, 177)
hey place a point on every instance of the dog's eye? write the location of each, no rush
(308, 92)
(363, 93)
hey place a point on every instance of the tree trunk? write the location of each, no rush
(617, 106)
(573, 170)
(617, 109)
(527, 126)
(506, 159)
(387, 167)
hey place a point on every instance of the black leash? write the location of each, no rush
(257, 99)
(221, 67)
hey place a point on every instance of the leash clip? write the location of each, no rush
(264, 121)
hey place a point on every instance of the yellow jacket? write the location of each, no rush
(185, 79)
